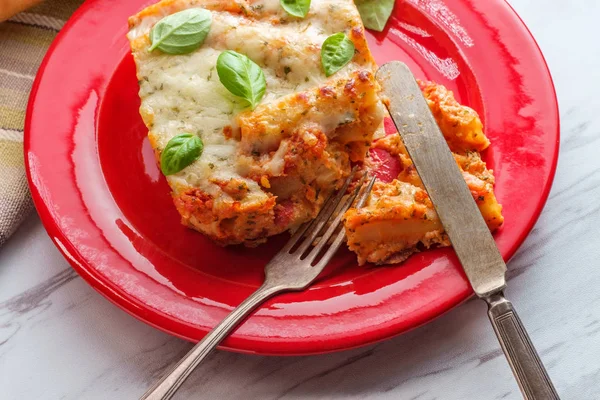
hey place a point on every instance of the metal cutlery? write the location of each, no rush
(463, 223)
(293, 268)
(309, 250)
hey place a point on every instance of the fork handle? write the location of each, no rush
(533, 380)
(172, 380)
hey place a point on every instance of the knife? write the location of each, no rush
(464, 224)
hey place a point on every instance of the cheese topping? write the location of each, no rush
(183, 94)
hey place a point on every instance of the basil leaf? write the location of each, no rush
(182, 32)
(375, 13)
(297, 8)
(241, 76)
(181, 151)
(337, 51)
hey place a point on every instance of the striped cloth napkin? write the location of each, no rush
(24, 40)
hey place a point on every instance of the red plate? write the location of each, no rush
(107, 207)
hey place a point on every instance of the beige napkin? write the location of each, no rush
(24, 40)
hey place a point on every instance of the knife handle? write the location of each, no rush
(524, 361)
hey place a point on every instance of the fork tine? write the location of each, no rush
(341, 234)
(337, 220)
(308, 226)
(300, 232)
(365, 195)
(324, 215)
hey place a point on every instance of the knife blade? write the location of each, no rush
(464, 224)
(443, 181)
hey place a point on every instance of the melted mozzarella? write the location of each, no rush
(273, 170)
(182, 93)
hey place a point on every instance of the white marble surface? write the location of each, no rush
(59, 339)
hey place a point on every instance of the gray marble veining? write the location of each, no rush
(59, 339)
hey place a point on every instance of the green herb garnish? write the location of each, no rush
(182, 32)
(337, 51)
(297, 8)
(241, 76)
(181, 151)
(375, 13)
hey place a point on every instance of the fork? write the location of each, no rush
(293, 268)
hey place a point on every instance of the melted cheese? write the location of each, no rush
(183, 94)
